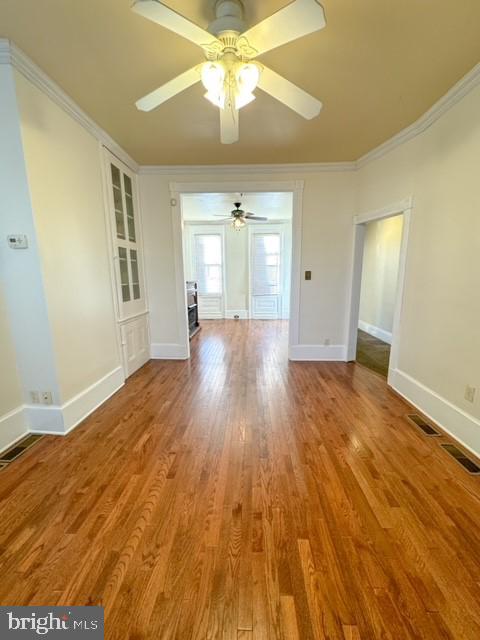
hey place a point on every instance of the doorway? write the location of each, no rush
(178, 191)
(379, 259)
(242, 269)
(381, 255)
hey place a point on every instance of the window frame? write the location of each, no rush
(218, 235)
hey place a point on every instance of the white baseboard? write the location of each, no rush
(160, 351)
(381, 334)
(241, 313)
(82, 405)
(317, 352)
(13, 426)
(59, 420)
(45, 419)
(462, 426)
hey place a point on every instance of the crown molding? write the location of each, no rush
(463, 87)
(12, 55)
(244, 169)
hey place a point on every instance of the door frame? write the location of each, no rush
(405, 209)
(177, 189)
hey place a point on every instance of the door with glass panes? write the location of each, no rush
(132, 313)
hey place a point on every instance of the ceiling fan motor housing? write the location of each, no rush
(229, 17)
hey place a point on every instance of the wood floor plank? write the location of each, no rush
(242, 496)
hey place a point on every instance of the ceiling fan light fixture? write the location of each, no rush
(243, 99)
(247, 76)
(238, 223)
(213, 78)
(217, 99)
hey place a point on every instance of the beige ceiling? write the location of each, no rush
(377, 66)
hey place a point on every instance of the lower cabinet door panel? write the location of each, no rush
(135, 344)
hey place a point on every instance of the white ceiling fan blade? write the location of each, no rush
(297, 19)
(288, 93)
(168, 90)
(228, 125)
(170, 19)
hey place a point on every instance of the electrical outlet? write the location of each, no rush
(47, 397)
(34, 397)
(326, 342)
(470, 393)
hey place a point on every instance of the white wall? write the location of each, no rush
(236, 251)
(440, 339)
(65, 179)
(328, 208)
(379, 276)
(10, 388)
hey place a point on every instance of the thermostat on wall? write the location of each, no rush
(18, 241)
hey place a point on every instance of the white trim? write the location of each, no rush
(210, 186)
(160, 351)
(247, 169)
(13, 426)
(393, 209)
(459, 424)
(45, 419)
(59, 420)
(83, 404)
(376, 332)
(360, 222)
(11, 54)
(317, 352)
(241, 313)
(240, 186)
(464, 86)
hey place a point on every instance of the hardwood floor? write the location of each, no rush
(240, 496)
(373, 353)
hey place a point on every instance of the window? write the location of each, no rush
(208, 263)
(266, 249)
(125, 235)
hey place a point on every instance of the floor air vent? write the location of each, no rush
(455, 452)
(427, 428)
(20, 447)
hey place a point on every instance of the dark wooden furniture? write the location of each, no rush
(192, 306)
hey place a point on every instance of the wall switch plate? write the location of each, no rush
(470, 393)
(47, 397)
(17, 241)
(308, 275)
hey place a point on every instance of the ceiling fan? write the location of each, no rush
(231, 72)
(239, 218)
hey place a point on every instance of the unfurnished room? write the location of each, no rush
(239, 319)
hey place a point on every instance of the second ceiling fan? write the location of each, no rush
(231, 72)
(239, 217)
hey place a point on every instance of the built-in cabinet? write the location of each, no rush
(128, 271)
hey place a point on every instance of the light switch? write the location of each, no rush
(308, 275)
(18, 241)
